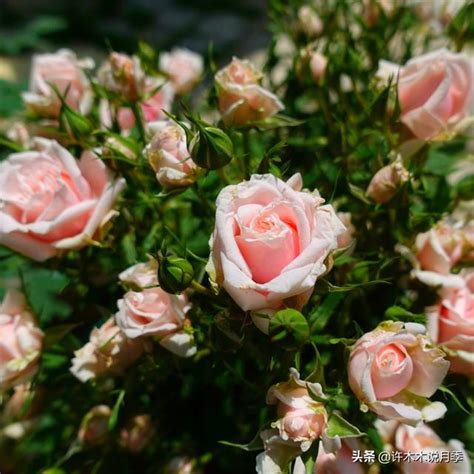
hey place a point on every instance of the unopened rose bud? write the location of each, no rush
(317, 65)
(175, 274)
(94, 426)
(309, 21)
(372, 9)
(180, 465)
(211, 148)
(387, 181)
(137, 433)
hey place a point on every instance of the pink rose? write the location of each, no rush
(65, 72)
(435, 92)
(386, 182)
(50, 202)
(392, 368)
(123, 75)
(20, 341)
(422, 439)
(341, 461)
(270, 242)
(437, 251)
(241, 98)
(108, 351)
(94, 426)
(301, 419)
(153, 312)
(169, 156)
(141, 275)
(137, 433)
(183, 67)
(152, 107)
(451, 324)
(309, 21)
(317, 66)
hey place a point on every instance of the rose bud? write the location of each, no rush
(241, 98)
(141, 275)
(270, 243)
(123, 75)
(122, 146)
(169, 156)
(20, 342)
(19, 133)
(61, 71)
(387, 181)
(435, 93)
(210, 147)
(393, 370)
(309, 22)
(406, 439)
(94, 426)
(183, 67)
(153, 312)
(345, 239)
(108, 351)
(50, 202)
(451, 324)
(372, 9)
(302, 419)
(317, 65)
(175, 274)
(181, 465)
(138, 432)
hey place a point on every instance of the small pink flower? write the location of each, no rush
(141, 275)
(153, 312)
(108, 351)
(137, 433)
(61, 70)
(169, 156)
(270, 243)
(94, 426)
(451, 324)
(50, 202)
(183, 67)
(309, 21)
(391, 367)
(386, 182)
(317, 65)
(340, 462)
(20, 341)
(241, 98)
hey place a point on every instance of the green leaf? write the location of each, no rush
(359, 193)
(456, 400)
(401, 314)
(42, 288)
(319, 317)
(54, 334)
(338, 426)
(277, 121)
(115, 411)
(289, 328)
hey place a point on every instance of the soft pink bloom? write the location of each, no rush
(94, 426)
(141, 275)
(184, 68)
(317, 66)
(270, 242)
(404, 439)
(435, 92)
(50, 202)
(108, 351)
(309, 21)
(157, 98)
(20, 341)
(137, 433)
(241, 98)
(386, 182)
(393, 367)
(65, 72)
(123, 75)
(347, 237)
(153, 312)
(451, 324)
(169, 156)
(372, 9)
(181, 465)
(341, 461)
(301, 419)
